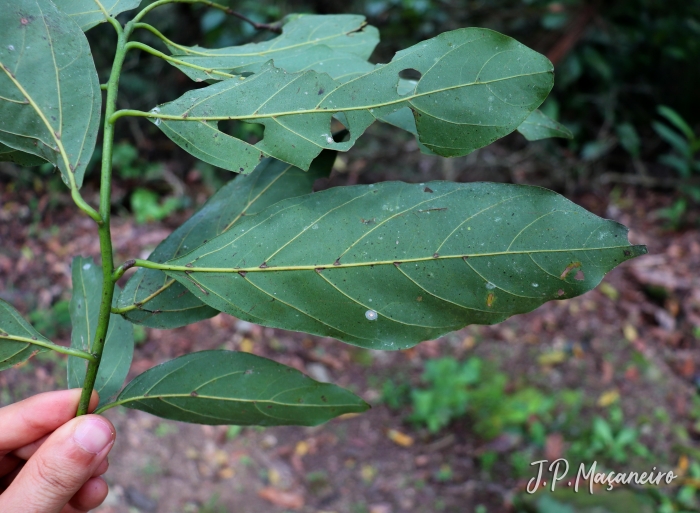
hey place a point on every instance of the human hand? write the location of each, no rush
(50, 461)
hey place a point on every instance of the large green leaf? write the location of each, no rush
(476, 86)
(50, 97)
(17, 337)
(227, 387)
(88, 13)
(540, 126)
(160, 301)
(84, 313)
(386, 266)
(337, 44)
(20, 158)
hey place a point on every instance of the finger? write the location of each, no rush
(91, 494)
(28, 450)
(7, 480)
(61, 466)
(102, 469)
(26, 421)
(8, 464)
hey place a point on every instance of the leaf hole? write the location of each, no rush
(338, 129)
(408, 80)
(252, 133)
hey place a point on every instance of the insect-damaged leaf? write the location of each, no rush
(390, 265)
(17, 337)
(164, 303)
(84, 313)
(89, 13)
(51, 98)
(476, 86)
(335, 44)
(227, 387)
(540, 126)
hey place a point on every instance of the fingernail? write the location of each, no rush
(93, 435)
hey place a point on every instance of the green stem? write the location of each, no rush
(54, 347)
(104, 231)
(158, 53)
(167, 42)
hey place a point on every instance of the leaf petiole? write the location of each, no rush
(54, 347)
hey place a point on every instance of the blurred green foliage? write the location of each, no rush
(50, 321)
(148, 206)
(452, 390)
(608, 440)
(684, 159)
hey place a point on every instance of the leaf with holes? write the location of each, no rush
(390, 265)
(84, 313)
(20, 158)
(50, 97)
(18, 339)
(335, 44)
(476, 85)
(227, 387)
(540, 126)
(154, 299)
(89, 13)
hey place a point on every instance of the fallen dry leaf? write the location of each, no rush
(277, 497)
(608, 398)
(399, 438)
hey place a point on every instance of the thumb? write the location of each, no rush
(64, 462)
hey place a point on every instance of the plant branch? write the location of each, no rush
(104, 231)
(258, 26)
(119, 271)
(158, 53)
(54, 347)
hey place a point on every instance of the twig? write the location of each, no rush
(272, 27)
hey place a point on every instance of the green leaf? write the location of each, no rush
(227, 387)
(89, 13)
(20, 158)
(677, 121)
(84, 313)
(50, 97)
(17, 337)
(539, 126)
(337, 44)
(679, 143)
(629, 138)
(498, 84)
(172, 305)
(386, 266)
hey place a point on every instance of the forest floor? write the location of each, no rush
(631, 343)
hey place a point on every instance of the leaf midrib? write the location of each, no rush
(330, 266)
(317, 110)
(215, 398)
